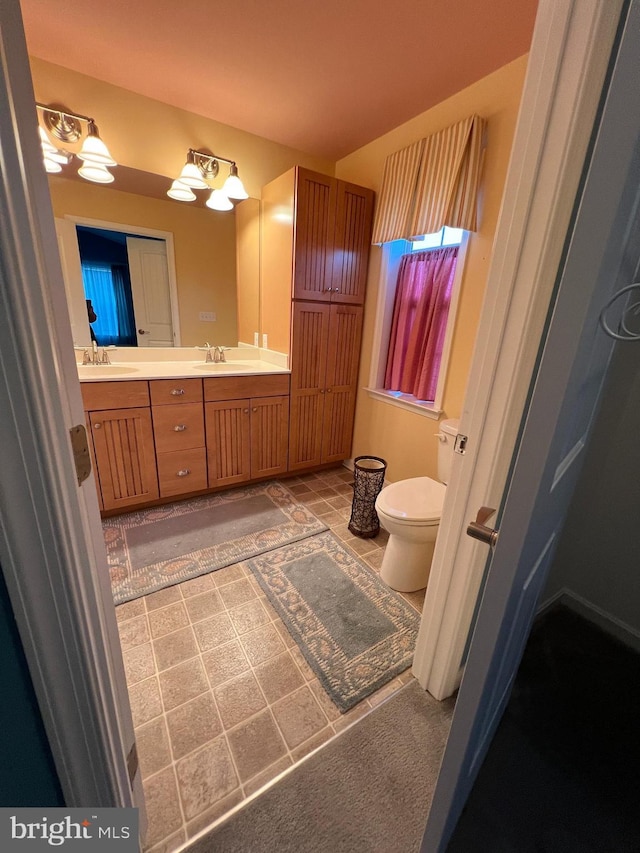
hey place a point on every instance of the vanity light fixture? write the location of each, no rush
(198, 171)
(68, 128)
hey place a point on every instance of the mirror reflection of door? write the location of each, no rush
(126, 278)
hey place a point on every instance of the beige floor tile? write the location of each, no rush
(333, 518)
(374, 559)
(239, 592)
(227, 575)
(145, 700)
(299, 488)
(326, 492)
(267, 775)
(205, 777)
(203, 605)
(331, 710)
(163, 806)
(214, 631)
(320, 508)
(308, 498)
(339, 502)
(225, 662)
(153, 747)
(312, 743)
(248, 617)
(168, 619)
(278, 677)
(182, 683)
(134, 632)
(210, 815)
(299, 717)
(351, 716)
(173, 842)
(303, 666)
(162, 598)
(175, 648)
(262, 644)
(415, 599)
(130, 609)
(362, 546)
(196, 586)
(271, 611)
(287, 639)
(193, 725)
(139, 663)
(384, 692)
(255, 745)
(238, 699)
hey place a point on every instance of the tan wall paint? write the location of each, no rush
(146, 134)
(204, 242)
(407, 440)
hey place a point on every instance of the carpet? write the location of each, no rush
(366, 791)
(151, 549)
(355, 633)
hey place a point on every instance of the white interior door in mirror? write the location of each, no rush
(150, 291)
(72, 275)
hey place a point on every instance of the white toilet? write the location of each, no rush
(410, 511)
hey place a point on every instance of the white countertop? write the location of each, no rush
(174, 370)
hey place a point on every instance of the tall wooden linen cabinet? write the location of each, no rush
(316, 242)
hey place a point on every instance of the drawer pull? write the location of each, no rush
(179, 427)
(177, 392)
(184, 472)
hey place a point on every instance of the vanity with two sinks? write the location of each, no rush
(163, 425)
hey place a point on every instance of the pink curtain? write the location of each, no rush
(423, 295)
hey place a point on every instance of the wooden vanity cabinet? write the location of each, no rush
(325, 357)
(122, 435)
(247, 435)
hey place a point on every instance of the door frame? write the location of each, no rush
(51, 547)
(567, 67)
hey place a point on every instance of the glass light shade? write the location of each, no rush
(95, 151)
(181, 192)
(234, 188)
(47, 146)
(95, 172)
(51, 166)
(218, 201)
(192, 177)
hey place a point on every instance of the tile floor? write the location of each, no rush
(222, 699)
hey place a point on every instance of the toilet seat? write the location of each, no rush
(418, 500)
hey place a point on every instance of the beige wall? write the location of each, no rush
(204, 243)
(154, 137)
(407, 440)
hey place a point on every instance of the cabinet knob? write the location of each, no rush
(97, 426)
(328, 390)
(336, 290)
(327, 290)
(255, 409)
(184, 472)
(246, 411)
(177, 392)
(322, 390)
(179, 427)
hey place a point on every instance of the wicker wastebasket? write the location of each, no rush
(369, 474)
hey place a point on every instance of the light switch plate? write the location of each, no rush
(265, 344)
(256, 339)
(208, 316)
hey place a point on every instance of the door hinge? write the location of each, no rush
(460, 444)
(81, 456)
(132, 763)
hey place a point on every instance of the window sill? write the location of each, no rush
(405, 401)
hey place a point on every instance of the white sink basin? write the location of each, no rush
(224, 367)
(89, 371)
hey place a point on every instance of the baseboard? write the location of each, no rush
(591, 612)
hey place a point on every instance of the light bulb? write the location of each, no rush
(192, 177)
(218, 201)
(233, 186)
(181, 192)
(51, 166)
(95, 172)
(46, 143)
(94, 150)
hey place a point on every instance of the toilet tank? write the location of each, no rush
(446, 442)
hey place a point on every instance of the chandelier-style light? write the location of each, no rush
(199, 170)
(67, 128)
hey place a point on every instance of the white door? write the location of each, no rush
(603, 254)
(150, 289)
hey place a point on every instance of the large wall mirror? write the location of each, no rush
(158, 272)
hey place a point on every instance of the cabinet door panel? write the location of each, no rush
(125, 458)
(352, 243)
(269, 435)
(305, 431)
(343, 349)
(337, 424)
(228, 448)
(314, 236)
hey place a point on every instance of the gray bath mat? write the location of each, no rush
(151, 549)
(355, 632)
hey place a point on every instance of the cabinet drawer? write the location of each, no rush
(114, 395)
(178, 427)
(165, 391)
(182, 471)
(238, 387)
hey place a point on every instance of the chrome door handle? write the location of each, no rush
(478, 529)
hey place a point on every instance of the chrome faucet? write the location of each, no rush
(221, 353)
(94, 356)
(209, 356)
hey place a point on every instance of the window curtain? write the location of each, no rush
(105, 286)
(432, 183)
(423, 296)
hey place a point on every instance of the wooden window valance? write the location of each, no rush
(432, 183)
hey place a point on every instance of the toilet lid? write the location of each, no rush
(418, 499)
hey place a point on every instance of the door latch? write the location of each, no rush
(460, 444)
(478, 529)
(81, 457)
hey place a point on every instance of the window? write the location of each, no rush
(416, 312)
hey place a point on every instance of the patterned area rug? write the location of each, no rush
(151, 549)
(355, 632)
